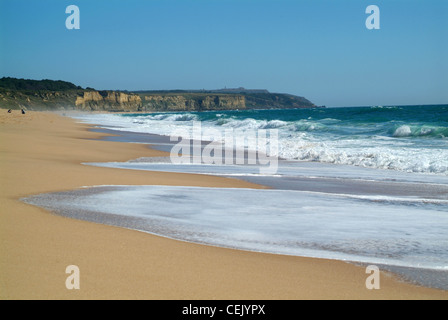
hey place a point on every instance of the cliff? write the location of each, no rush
(188, 102)
(229, 99)
(61, 95)
(108, 101)
(70, 100)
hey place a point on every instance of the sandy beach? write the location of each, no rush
(44, 152)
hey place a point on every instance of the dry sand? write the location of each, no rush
(43, 152)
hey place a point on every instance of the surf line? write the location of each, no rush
(223, 153)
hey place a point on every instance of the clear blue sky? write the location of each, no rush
(319, 49)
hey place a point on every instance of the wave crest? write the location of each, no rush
(420, 131)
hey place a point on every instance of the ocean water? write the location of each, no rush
(401, 138)
(368, 185)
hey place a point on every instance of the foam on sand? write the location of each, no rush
(366, 230)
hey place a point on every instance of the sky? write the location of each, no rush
(319, 49)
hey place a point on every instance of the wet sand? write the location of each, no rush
(43, 152)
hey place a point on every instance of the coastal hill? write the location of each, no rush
(61, 95)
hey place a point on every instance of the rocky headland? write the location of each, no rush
(61, 95)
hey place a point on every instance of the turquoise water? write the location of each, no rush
(403, 138)
(423, 121)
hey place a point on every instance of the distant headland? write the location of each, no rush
(62, 95)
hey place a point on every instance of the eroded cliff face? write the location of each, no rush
(118, 101)
(62, 95)
(223, 103)
(108, 100)
(182, 103)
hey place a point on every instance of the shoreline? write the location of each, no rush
(65, 204)
(43, 152)
(404, 186)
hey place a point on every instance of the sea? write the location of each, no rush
(403, 138)
(367, 185)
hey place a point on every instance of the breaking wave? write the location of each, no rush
(411, 139)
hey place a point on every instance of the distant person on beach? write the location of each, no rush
(9, 111)
(23, 111)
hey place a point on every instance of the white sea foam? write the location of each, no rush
(310, 170)
(403, 131)
(303, 223)
(306, 140)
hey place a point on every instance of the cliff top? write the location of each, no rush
(28, 84)
(239, 90)
(54, 94)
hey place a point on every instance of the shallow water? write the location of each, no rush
(276, 221)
